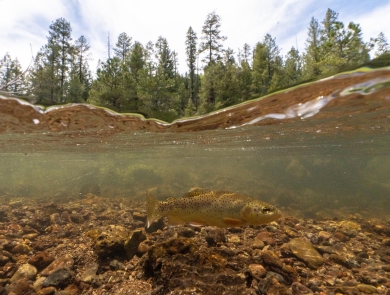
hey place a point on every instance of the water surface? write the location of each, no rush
(320, 150)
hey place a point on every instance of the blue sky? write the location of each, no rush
(25, 22)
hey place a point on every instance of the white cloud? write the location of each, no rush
(374, 22)
(27, 22)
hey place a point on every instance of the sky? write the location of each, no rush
(24, 24)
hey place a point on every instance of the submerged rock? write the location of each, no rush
(270, 259)
(180, 266)
(58, 278)
(144, 247)
(47, 291)
(369, 289)
(213, 235)
(266, 237)
(132, 242)
(110, 242)
(306, 252)
(257, 271)
(27, 271)
(19, 287)
(89, 274)
(41, 260)
(350, 228)
(63, 262)
(273, 284)
(21, 249)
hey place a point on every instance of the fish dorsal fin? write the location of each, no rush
(196, 191)
(170, 199)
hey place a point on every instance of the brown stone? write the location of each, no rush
(257, 244)
(27, 271)
(132, 242)
(306, 252)
(271, 259)
(41, 260)
(21, 249)
(63, 262)
(110, 242)
(369, 289)
(19, 287)
(266, 237)
(323, 235)
(257, 271)
(340, 236)
(47, 291)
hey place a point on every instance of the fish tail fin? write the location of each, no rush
(152, 206)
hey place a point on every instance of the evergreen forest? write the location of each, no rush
(143, 78)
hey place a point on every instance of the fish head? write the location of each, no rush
(257, 212)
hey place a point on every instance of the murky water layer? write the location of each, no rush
(318, 150)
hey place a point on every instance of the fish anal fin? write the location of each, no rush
(233, 222)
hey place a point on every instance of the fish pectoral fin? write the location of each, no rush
(197, 224)
(233, 222)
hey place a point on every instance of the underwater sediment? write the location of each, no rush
(96, 245)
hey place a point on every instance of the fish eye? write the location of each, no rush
(266, 210)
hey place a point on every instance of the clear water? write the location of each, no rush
(320, 150)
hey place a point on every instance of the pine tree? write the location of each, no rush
(44, 76)
(246, 80)
(333, 39)
(381, 44)
(212, 39)
(113, 86)
(11, 75)
(81, 51)
(190, 109)
(354, 48)
(265, 61)
(312, 57)
(175, 61)
(61, 51)
(245, 55)
(228, 57)
(341, 47)
(157, 85)
(278, 79)
(165, 57)
(245, 71)
(82, 68)
(51, 72)
(123, 46)
(137, 59)
(292, 67)
(191, 42)
(220, 81)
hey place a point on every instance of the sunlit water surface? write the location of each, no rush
(320, 150)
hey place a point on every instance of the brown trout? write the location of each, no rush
(207, 207)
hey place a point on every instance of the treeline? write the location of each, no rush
(144, 77)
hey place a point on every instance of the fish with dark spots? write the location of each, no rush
(215, 208)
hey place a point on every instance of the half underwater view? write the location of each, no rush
(255, 172)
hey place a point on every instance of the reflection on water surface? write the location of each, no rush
(317, 150)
